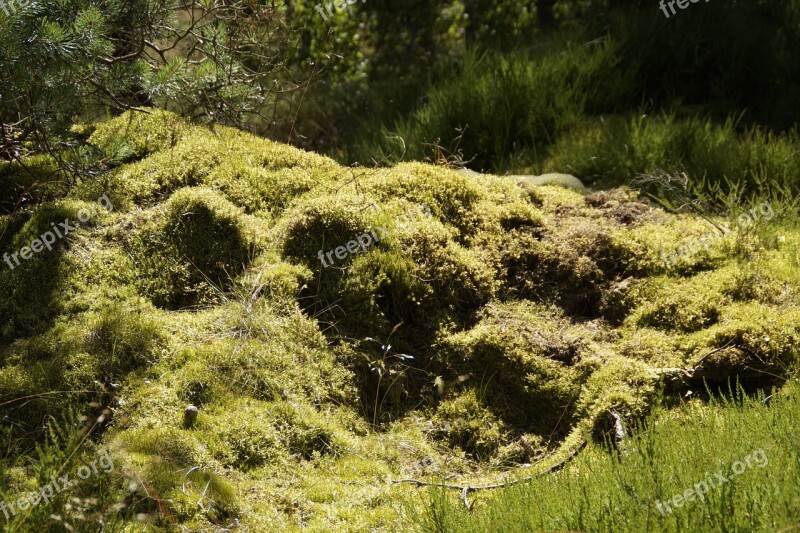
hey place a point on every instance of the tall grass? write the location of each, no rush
(674, 450)
(614, 150)
(497, 105)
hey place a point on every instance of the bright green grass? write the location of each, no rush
(605, 491)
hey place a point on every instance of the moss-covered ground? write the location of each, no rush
(484, 326)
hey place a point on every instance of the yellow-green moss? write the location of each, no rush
(193, 248)
(521, 357)
(137, 133)
(754, 338)
(464, 421)
(413, 273)
(38, 175)
(451, 196)
(624, 385)
(488, 326)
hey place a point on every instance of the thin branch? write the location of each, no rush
(465, 489)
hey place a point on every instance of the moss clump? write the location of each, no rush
(684, 305)
(38, 177)
(625, 385)
(465, 421)
(193, 248)
(402, 270)
(569, 264)
(270, 370)
(321, 224)
(248, 433)
(306, 431)
(523, 359)
(48, 217)
(173, 468)
(39, 288)
(84, 359)
(650, 246)
(151, 180)
(246, 169)
(451, 197)
(137, 133)
(264, 191)
(754, 341)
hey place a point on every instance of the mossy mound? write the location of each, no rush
(37, 179)
(239, 165)
(63, 268)
(275, 336)
(465, 421)
(193, 248)
(523, 359)
(375, 268)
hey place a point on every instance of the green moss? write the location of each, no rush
(193, 248)
(685, 305)
(485, 325)
(655, 347)
(137, 133)
(155, 178)
(82, 360)
(625, 385)
(522, 357)
(754, 340)
(47, 218)
(38, 176)
(381, 283)
(251, 438)
(450, 196)
(261, 190)
(652, 244)
(306, 431)
(323, 224)
(171, 467)
(243, 167)
(464, 421)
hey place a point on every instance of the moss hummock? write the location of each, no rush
(336, 328)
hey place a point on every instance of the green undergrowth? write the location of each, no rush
(265, 339)
(616, 149)
(751, 442)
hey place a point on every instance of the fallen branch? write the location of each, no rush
(697, 372)
(465, 489)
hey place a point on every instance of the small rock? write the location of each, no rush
(190, 415)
